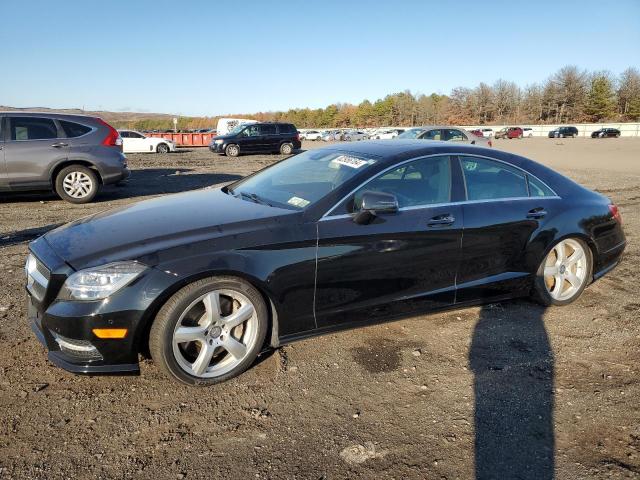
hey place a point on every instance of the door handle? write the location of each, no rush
(441, 220)
(60, 145)
(536, 213)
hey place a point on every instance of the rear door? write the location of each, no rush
(33, 146)
(500, 217)
(270, 140)
(397, 263)
(455, 135)
(433, 134)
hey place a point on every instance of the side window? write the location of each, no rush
(285, 128)
(267, 129)
(124, 134)
(454, 136)
(432, 135)
(487, 179)
(32, 128)
(421, 182)
(72, 129)
(251, 131)
(538, 189)
(135, 135)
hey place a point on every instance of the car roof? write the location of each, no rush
(24, 113)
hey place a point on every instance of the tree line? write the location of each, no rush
(570, 95)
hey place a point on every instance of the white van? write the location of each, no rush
(225, 125)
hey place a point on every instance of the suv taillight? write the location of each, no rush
(113, 138)
(615, 213)
(298, 136)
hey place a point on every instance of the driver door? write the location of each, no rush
(398, 263)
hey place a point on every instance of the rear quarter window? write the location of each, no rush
(72, 129)
(487, 179)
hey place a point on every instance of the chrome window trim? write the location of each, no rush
(438, 205)
(328, 215)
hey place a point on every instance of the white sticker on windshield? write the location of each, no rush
(348, 161)
(298, 202)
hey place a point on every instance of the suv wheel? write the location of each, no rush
(77, 184)
(286, 149)
(232, 150)
(210, 331)
(162, 148)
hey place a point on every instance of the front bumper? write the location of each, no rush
(217, 147)
(65, 328)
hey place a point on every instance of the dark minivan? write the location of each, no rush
(258, 138)
(563, 132)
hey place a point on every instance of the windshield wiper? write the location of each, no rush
(254, 198)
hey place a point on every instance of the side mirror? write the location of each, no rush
(375, 203)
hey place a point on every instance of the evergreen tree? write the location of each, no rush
(601, 100)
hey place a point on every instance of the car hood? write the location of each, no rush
(146, 227)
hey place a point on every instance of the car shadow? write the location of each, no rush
(513, 366)
(141, 183)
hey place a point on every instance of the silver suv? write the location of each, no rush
(71, 154)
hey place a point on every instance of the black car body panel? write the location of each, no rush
(258, 138)
(562, 132)
(317, 269)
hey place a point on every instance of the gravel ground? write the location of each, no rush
(508, 390)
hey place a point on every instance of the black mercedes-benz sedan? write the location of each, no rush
(333, 238)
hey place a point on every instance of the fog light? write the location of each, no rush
(110, 332)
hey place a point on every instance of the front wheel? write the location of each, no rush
(232, 151)
(162, 148)
(286, 149)
(564, 273)
(210, 331)
(77, 184)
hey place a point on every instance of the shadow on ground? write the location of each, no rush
(513, 366)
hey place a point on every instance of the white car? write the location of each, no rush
(387, 134)
(527, 132)
(355, 135)
(136, 142)
(311, 135)
(487, 132)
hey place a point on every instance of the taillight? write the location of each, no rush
(615, 213)
(113, 138)
(298, 136)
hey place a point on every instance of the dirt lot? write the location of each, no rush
(510, 390)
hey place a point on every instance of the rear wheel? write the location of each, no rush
(564, 273)
(232, 150)
(210, 331)
(286, 149)
(77, 184)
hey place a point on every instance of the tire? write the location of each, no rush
(546, 283)
(617, 135)
(232, 150)
(186, 311)
(77, 184)
(286, 149)
(520, 137)
(162, 148)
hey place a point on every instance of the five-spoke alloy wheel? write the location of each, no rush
(564, 273)
(209, 331)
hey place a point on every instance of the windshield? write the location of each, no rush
(412, 133)
(302, 180)
(237, 129)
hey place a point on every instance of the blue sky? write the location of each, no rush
(209, 58)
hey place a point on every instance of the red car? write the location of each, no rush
(510, 132)
(477, 132)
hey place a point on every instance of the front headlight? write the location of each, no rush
(218, 142)
(100, 282)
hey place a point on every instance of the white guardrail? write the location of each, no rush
(584, 129)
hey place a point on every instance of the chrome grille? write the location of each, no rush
(37, 277)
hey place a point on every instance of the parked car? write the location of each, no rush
(487, 132)
(256, 138)
(446, 134)
(74, 155)
(311, 135)
(509, 132)
(136, 142)
(387, 134)
(205, 280)
(354, 135)
(331, 136)
(477, 132)
(606, 132)
(563, 132)
(527, 132)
